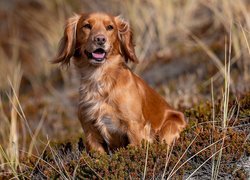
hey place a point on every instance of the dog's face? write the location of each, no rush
(96, 37)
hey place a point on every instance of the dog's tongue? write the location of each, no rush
(98, 55)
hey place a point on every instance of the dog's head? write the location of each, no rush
(96, 37)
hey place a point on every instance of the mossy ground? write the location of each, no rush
(200, 140)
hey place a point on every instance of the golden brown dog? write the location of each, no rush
(116, 107)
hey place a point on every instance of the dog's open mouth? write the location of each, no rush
(98, 55)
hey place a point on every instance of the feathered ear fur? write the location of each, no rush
(67, 43)
(125, 36)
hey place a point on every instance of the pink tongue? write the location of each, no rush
(98, 55)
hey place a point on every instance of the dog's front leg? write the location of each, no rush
(94, 141)
(134, 134)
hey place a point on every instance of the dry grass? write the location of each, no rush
(181, 46)
(9, 149)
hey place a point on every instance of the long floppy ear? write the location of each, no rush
(125, 36)
(67, 43)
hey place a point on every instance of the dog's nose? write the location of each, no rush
(100, 39)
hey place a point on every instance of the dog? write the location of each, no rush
(116, 107)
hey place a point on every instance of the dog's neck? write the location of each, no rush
(89, 72)
(101, 78)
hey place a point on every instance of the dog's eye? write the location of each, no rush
(87, 26)
(109, 27)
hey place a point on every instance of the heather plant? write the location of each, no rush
(195, 146)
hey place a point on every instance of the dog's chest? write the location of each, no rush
(96, 106)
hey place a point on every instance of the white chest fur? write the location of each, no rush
(95, 106)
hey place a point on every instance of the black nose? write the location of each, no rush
(100, 39)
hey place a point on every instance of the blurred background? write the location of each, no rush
(182, 47)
